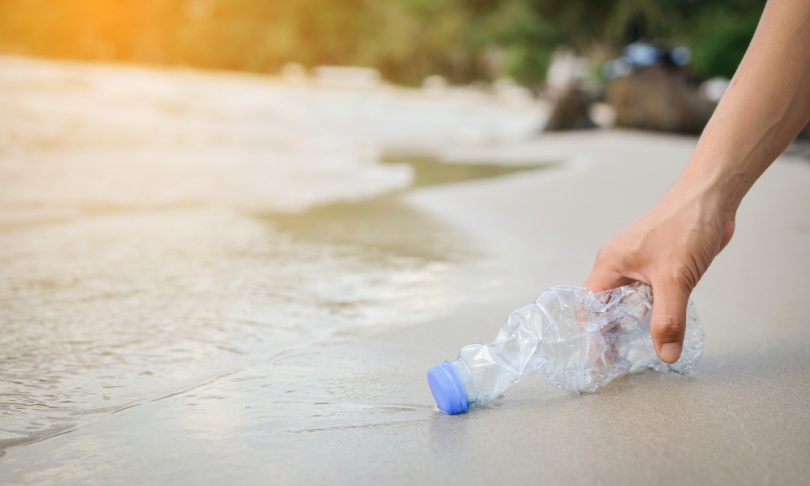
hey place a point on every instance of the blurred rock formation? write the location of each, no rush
(567, 82)
(659, 98)
(571, 110)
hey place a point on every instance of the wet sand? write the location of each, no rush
(353, 406)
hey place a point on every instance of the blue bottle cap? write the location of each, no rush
(447, 388)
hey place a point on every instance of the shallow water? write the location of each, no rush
(166, 233)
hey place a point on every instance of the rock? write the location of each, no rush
(571, 110)
(659, 98)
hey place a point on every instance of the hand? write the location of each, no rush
(669, 248)
(764, 107)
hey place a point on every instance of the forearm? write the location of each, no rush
(672, 246)
(764, 108)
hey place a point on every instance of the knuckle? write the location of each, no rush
(672, 275)
(669, 328)
(678, 276)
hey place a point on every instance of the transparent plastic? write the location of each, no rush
(578, 340)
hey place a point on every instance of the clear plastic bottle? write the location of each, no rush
(578, 340)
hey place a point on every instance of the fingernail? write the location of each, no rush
(670, 352)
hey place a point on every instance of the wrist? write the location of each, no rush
(710, 194)
(717, 180)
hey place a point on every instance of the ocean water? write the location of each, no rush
(163, 229)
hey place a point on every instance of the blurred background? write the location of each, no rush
(406, 40)
(571, 52)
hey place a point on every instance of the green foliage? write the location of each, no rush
(526, 39)
(464, 40)
(721, 37)
(526, 64)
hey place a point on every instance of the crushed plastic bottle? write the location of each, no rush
(578, 340)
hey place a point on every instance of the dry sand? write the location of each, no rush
(742, 418)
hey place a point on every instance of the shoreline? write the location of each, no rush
(364, 412)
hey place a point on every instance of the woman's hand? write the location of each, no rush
(765, 106)
(669, 248)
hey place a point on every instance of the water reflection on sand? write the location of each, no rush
(158, 237)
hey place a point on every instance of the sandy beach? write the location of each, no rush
(443, 265)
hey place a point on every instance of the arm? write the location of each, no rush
(764, 108)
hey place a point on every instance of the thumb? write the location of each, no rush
(668, 322)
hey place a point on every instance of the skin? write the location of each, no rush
(762, 111)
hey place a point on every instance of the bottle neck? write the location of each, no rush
(466, 380)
